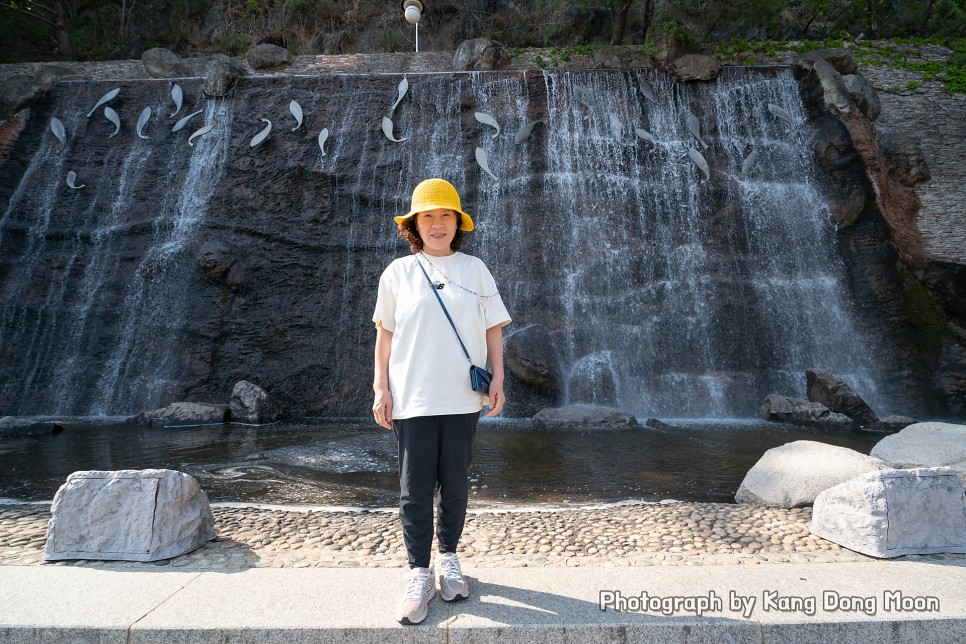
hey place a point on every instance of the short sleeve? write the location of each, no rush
(494, 311)
(385, 313)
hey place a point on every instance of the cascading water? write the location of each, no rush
(666, 293)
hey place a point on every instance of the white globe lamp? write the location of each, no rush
(413, 11)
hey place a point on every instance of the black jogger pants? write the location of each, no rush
(434, 453)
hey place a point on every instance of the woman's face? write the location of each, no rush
(436, 228)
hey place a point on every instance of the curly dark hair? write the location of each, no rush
(407, 230)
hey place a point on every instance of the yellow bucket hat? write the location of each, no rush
(436, 193)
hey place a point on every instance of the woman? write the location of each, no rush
(422, 382)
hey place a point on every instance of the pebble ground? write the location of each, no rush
(676, 534)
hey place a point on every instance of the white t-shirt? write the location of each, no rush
(428, 373)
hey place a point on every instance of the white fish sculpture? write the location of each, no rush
(486, 119)
(700, 162)
(403, 88)
(57, 127)
(616, 127)
(648, 91)
(524, 132)
(200, 132)
(482, 160)
(142, 121)
(323, 135)
(112, 116)
(72, 181)
(749, 161)
(296, 111)
(107, 97)
(582, 96)
(261, 136)
(184, 120)
(695, 128)
(780, 113)
(387, 130)
(644, 134)
(177, 96)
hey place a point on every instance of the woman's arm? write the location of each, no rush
(494, 354)
(382, 407)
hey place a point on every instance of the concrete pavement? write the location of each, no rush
(874, 601)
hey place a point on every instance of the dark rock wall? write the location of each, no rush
(125, 295)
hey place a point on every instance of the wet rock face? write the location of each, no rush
(904, 157)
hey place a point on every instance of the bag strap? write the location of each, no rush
(440, 300)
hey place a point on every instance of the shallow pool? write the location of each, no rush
(353, 463)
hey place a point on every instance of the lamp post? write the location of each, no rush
(413, 11)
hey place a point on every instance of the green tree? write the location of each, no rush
(51, 13)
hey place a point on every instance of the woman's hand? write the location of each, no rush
(497, 397)
(382, 408)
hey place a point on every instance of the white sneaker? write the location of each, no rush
(452, 586)
(420, 588)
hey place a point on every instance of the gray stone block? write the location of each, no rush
(925, 445)
(895, 512)
(793, 474)
(128, 515)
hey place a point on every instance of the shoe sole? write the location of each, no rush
(458, 597)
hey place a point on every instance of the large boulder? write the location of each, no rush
(164, 63)
(593, 381)
(907, 164)
(480, 54)
(864, 95)
(531, 356)
(183, 414)
(21, 90)
(695, 67)
(833, 392)
(221, 73)
(841, 60)
(895, 512)
(128, 515)
(620, 58)
(583, 417)
(266, 56)
(925, 445)
(11, 427)
(785, 409)
(252, 404)
(823, 77)
(891, 424)
(793, 474)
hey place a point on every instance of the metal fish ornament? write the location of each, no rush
(58, 129)
(582, 96)
(387, 130)
(780, 113)
(200, 132)
(296, 111)
(700, 162)
(323, 135)
(524, 132)
(482, 160)
(72, 181)
(142, 121)
(177, 96)
(616, 127)
(695, 128)
(644, 134)
(112, 116)
(486, 119)
(749, 161)
(107, 97)
(184, 120)
(647, 91)
(261, 136)
(403, 88)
